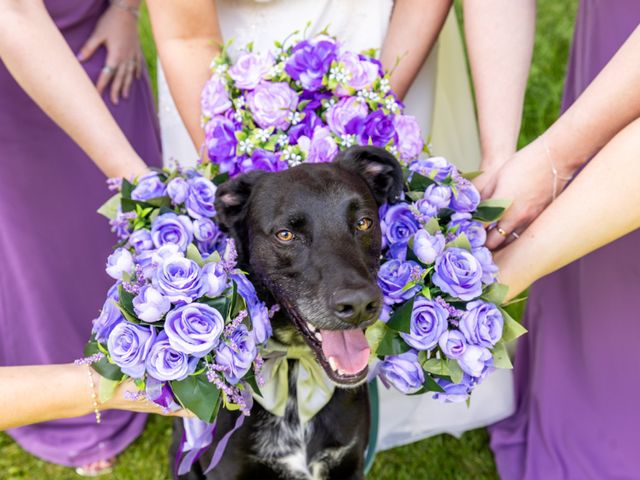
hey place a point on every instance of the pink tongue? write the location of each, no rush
(349, 349)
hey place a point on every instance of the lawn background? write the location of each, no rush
(442, 457)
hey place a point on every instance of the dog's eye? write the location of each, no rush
(285, 235)
(364, 224)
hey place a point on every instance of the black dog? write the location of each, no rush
(310, 239)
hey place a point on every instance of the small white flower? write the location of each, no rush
(222, 68)
(294, 117)
(384, 85)
(392, 149)
(240, 102)
(245, 146)
(263, 135)
(348, 140)
(374, 97)
(283, 140)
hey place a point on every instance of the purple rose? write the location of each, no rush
(452, 343)
(340, 114)
(459, 274)
(410, 141)
(306, 127)
(119, 263)
(149, 305)
(427, 209)
(271, 103)
(150, 260)
(129, 345)
(202, 193)
(263, 160)
(393, 277)
(482, 324)
(170, 228)
(215, 279)
(438, 195)
(310, 61)
(403, 371)
(141, 240)
(398, 224)
(249, 69)
(320, 148)
(427, 247)
(194, 329)
(474, 231)
(466, 197)
(475, 360)
(161, 394)
(179, 279)
(257, 309)
(436, 168)
(220, 139)
(165, 363)
(377, 129)
(454, 392)
(214, 98)
(204, 230)
(109, 317)
(237, 356)
(149, 186)
(428, 322)
(360, 71)
(177, 189)
(489, 268)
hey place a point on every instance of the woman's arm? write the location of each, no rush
(499, 37)
(47, 392)
(188, 37)
(36, 54)
(413, 29)
(601, 205)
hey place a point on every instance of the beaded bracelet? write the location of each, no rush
(554, 170)
(124, 6)
(94, 396)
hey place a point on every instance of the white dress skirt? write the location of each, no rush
(440, 98)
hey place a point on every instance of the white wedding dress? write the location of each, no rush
(440, 99)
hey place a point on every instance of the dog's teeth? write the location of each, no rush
(318, 336)
(311, 327)
(333, 364)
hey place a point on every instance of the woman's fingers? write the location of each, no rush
(118, 82)
(512, 222)
(106, 75)
(129, 77)
(90, 47)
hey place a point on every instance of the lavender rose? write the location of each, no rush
(482, 324)
(475, 360)
(249, 69)
(427, 247)
(398, 224)
(149, 186)
(202, 193)
(377, 129)
(436, 168)
(263, 160)
(194, 329)
(310, 60)
(393, 277)
(141, 240)
(257, 309)
(170, 228)
(360, 71)
(454, 392)
(466, 198)
(165, 363)
(109, 317)
(428, 322)
(271, 103)
(438, 195)
(119, 263)
(320, 148)
(458, 273)
(129, 345)
(427, 209)
(214, 98)
(474, 231)
(489, 268)
(237, 356)
(215, 279)
(340, 114)
(177, 189)
(149, 305)
(452, 343)
(410, 141)
(403, 371)
(179, 279)
(220, 139)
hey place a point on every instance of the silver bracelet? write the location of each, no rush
(554, 170)
(121, 4)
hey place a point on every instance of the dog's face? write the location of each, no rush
(311, 235)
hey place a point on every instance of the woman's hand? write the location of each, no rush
(117, 30)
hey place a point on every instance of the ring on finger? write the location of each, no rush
(515, 235)
(109, 70)
(502, 232)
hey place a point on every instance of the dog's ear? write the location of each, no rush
(231, 201)
(379, 168)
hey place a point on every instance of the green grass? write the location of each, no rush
(440, 458)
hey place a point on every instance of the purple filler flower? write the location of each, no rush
(482, 324)
(427, 247)
(149, 186)
(179, 279)
(428, 322)
(194, 329)
(393, 277)
(177, 189)
(202, 193)
(129, 345)
(310, 61)
(165, 363)
(458, 273)
(410, 141)
(214, 98)
(237, 356)
(220, 139)
(249, 69)
(271, 103)
(170, 228)
(403, 371)
(149, 305)
(340, 114)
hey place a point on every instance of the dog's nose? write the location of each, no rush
(356, 305)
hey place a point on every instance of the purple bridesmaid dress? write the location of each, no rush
(53, 244)
(577, 370)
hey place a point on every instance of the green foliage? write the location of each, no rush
(199, 395)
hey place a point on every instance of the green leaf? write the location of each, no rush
(234, 299)
(437, 366)
(511, 329)
(455, 372)
(491, 210)
(420, 182)
(198, 395)
(432, 226)
(194, 254)
(126, 188)
(220, 179)
(501, 356)
(472, 175)
(495, 293)
(374, 335)
(430, 385)
(158, 202)
(426, 293)
(106, 369)
(400, 320)
(221, 304)
(109, 208)
(392, 344)
(251, 380)
(106, 389)
(126, 303)
(415, 196)
(461, 241)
